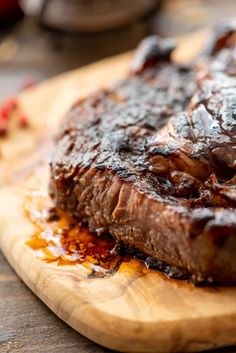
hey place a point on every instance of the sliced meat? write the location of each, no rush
(138, 160)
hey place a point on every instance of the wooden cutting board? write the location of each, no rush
(135, 310)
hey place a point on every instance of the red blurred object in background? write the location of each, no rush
(9, 12)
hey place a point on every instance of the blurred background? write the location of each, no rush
(41, 38)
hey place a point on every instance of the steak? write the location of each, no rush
(152, 159)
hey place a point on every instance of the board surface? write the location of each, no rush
(135, 310)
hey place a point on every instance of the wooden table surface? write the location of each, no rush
(26, 324)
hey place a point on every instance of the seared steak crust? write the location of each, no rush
(152, 159)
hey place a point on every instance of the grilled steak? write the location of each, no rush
(152, 159)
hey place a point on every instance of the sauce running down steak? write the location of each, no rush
(152, 160)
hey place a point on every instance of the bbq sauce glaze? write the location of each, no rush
(62, 240)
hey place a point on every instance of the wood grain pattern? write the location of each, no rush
(136, 310)
(28, 326)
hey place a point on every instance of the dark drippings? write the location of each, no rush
(62, 240)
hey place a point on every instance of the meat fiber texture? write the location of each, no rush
(152, 159)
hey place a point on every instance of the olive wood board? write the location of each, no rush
(136, 309)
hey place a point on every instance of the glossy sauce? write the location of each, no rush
(61, 240)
